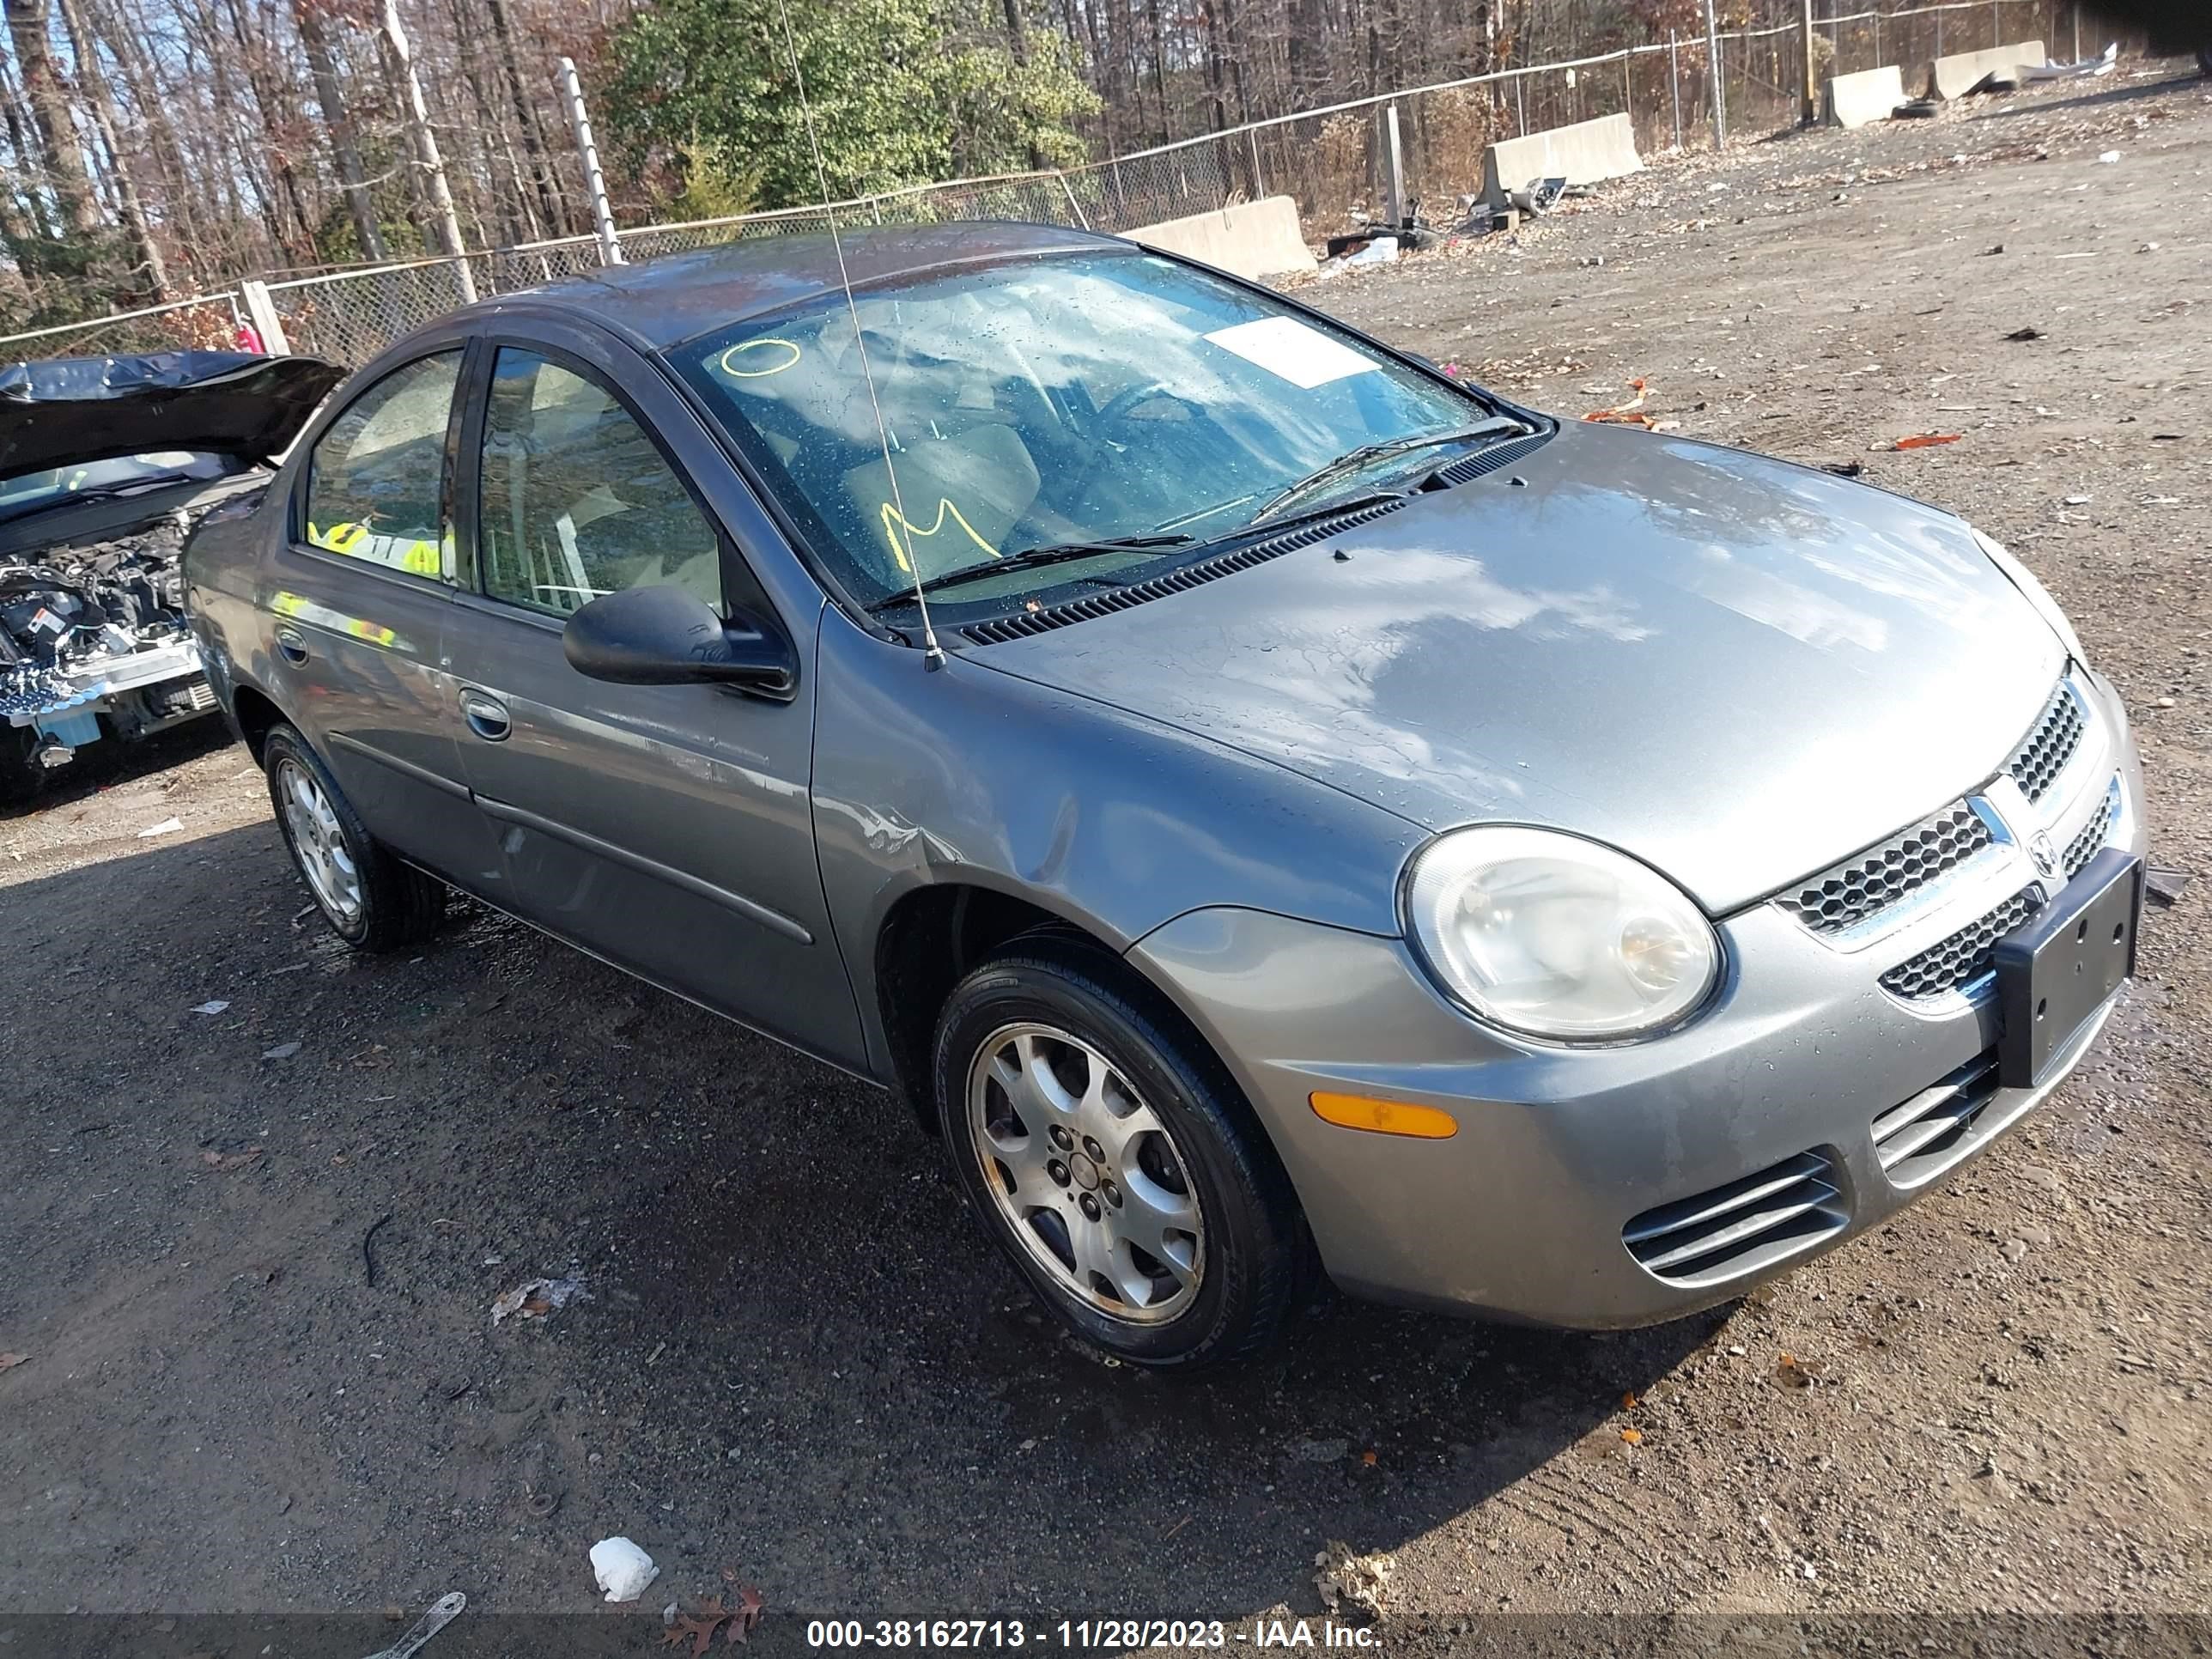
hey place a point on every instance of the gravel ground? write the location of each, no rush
(253, 1280)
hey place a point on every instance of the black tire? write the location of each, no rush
(22, 779)
(400, 906)
(1257, 1258)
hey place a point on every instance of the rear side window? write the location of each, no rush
(577, 500)
(375, 482)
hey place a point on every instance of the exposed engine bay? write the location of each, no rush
(94, 642)
(106, 467)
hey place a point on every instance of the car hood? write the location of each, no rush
(66, 410)
(1733, 668)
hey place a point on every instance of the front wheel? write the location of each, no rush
(1115, 1160)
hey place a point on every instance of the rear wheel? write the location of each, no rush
(370, 898)
(1114, 1160)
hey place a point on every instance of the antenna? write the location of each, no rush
(932, 653)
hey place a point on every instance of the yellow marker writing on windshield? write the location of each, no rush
(893, 518)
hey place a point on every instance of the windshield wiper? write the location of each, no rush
(1030, 559)
(1353, 461)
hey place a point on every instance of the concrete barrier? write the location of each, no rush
(1949, 77)
(1252, 238)
(1582, 154)
(1867, 95)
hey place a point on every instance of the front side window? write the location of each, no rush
(577, 502)
(1034, 403)
(375, 481)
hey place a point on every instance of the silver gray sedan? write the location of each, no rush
(1271, 808)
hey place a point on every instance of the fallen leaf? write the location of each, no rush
(228, 1161)
(1628, 1401)
(1368, 1458)
(10, 1361)
(1633, 1436)
(747, 1617)
(698, 1631)
(2025, 334)
(1926, 440)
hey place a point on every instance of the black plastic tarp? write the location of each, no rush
(64, 410)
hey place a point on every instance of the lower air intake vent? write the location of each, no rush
(1929, 1132)
(999, 629)
(1742, 1228)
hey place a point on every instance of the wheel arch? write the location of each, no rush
(255, 714)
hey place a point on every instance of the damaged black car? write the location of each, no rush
(107, 464)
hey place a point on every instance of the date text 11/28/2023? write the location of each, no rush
(1113, 1635)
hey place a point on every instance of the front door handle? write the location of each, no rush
(486, 716)
(291, 646)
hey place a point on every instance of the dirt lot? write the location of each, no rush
(249, 1390)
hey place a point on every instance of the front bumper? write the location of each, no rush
(1809, 1104)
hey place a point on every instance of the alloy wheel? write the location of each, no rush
(318, 841)
(1086, 1173)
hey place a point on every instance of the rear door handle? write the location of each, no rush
(291, 646)
(486, 716)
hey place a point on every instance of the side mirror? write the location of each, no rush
(667, 636)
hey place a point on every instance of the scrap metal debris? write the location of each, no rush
(1625, 414)
(1922, 440)
(368, 1259)
(535, 1298)
(215, 1006)
(443, 1611)
(2163, 886)
(1341, 1575)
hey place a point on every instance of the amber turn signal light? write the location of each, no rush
(1384, 1117)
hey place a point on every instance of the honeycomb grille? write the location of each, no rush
(2043, 755)
(1964, 957)
(2089, 839)
(1881, 876)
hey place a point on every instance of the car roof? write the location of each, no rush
(667, 300)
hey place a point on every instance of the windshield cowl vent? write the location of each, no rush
(1001, 629)
(1487, 461)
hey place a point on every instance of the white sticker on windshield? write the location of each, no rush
(1283, 345)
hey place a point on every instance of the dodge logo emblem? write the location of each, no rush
(2044, 852)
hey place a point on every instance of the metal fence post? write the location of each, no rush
(261, 312)
(1258, 183)
(1807, 113)
(1520, 102)
(1394, 160)
(603, 213)
(1675, 81)
(2077, 31)
(1713, 64)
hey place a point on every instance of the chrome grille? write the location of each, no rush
(2089, 839)
(1964, 957)
(2044, 754)
(1927, 1135)
(1883, 875)
(1742, 1228)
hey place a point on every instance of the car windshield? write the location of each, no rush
(34, 492)
(1053, 404)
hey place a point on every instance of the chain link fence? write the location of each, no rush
(207, 322)
(1333, 161)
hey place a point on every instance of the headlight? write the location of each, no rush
(1558, 937)
(2034, 593)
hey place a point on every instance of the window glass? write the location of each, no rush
(374, 482)
(577, 500)
(1039, 401)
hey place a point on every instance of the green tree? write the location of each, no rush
(901, 93)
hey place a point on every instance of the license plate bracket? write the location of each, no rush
(2056, 972)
